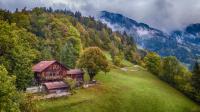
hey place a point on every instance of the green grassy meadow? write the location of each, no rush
(134, 90)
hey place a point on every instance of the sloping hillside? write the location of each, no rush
(131, 89)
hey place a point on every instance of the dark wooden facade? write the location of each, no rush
(50, 71)
(53, 72)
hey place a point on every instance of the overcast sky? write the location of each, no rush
(163, 14)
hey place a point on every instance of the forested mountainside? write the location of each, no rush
(44, 34)
(29, 36)
(183, 44)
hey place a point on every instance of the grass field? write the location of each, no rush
(134, 90)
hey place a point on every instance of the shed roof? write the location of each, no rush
(75, 71)
(55, 85)
(39, 67)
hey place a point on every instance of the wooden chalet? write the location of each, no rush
(51, 74)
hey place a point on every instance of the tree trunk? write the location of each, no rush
(91, 76)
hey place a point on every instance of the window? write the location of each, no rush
(56, 67)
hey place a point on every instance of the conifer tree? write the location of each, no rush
(196, 77)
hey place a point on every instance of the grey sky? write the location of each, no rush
(163, 14)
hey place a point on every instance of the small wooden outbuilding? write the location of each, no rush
(55, 87)
(76, 74)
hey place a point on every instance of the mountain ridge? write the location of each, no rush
(180, 43)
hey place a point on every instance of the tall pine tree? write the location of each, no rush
(71, 52)
(196, 77)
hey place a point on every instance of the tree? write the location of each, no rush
(5, 15)
(196, 77)
(9, 97)
(21, 19)
(130, 53)
(46, 54)
(28, 103)
(93, 60)
(17, 53)
(71, 52)
(118, 58)
(136, 58)
(171, 68)
(105, 38)
(72, 84)
(183, 79)
(78, 15)
(153, 63)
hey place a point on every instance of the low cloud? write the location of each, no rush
(163, 14)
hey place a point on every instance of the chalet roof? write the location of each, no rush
(55, 85)
(39, 67)
(75, 71)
